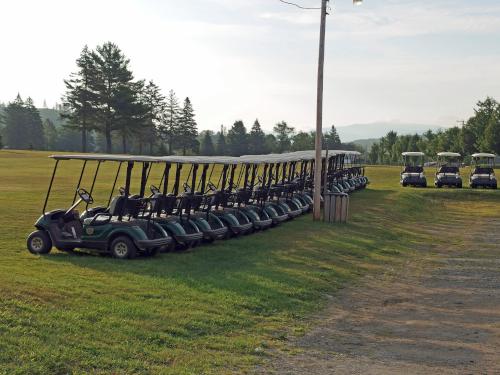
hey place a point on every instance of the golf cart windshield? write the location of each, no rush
(449, 169)
(413, 169)
(483, 170)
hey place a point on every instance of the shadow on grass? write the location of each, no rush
(284, 269)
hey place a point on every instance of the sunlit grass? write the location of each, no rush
(217, 309)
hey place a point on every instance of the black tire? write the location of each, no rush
(472, 186)
(123, 247)
(404, 184)
(39, 242)
(439, 186)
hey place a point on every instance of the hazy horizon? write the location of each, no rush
(425, 62)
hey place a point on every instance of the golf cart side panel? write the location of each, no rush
(104, 233)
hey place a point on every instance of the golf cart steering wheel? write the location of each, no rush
(85, 196)
(122, 190)
(154, 189)
(187, 188)
(211, 186)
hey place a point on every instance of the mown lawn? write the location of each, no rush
(217, 309)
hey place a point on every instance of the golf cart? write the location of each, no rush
(222, 197)
(193, 204)
(448, 170)
(413, 169)
(106, 230)
(482, 171)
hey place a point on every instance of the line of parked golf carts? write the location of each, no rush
(222, 197)
(482, 173)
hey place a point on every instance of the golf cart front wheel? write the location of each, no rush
(123, 248)
(39, 242)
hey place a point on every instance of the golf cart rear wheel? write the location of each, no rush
(39, 242)
(123, 248)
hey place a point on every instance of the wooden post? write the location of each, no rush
(319, 116)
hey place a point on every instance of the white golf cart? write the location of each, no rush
(448, 170)
(413, 169)
(482, 171)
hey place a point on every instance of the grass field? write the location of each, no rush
(217, 309)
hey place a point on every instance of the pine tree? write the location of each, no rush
(237, 139)
(207, 146)
(50, 132)
(283, 134)
(332, 139)
(116, 93)
(79, 102)
(35, 126)
(188, 129)
(221, 146)
(271, 144)
(169, 127)
(256, 139)
(153, 103)
(16, 127)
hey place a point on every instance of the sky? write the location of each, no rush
(401, 61)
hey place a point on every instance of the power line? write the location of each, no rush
(298, 6)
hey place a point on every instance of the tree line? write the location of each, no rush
(480, 133)
(105, 109)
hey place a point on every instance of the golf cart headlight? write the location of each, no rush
(492, 177)
(474, 177)
(422, 175)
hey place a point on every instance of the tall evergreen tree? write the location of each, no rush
(16, 127)
(188, 129)
(237, 139)
(153, 106)
(271, 143)
(50, 132)
(332, 139)
(169, 127)
(35, 125)
(207, 146)
(116, 93)
(79, 102)
(283, 136)
(23, 125)
(256, 139)
(221, 146)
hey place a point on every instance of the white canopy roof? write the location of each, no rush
(228, 160)
(483, 155)
(413, 153)
(105, 157)
(449, 154)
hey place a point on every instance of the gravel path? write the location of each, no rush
(439, 315)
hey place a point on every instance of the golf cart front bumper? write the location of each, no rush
(151, 244)
(483, 181)
(215, 234)
(414, 180)
(448, 180)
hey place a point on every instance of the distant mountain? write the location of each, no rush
(377, 130)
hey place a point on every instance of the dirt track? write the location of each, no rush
(438, 315)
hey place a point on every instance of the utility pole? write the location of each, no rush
(319, 117)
